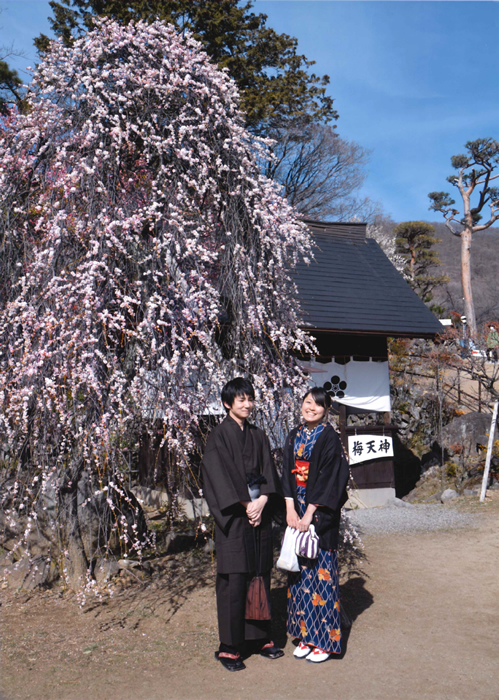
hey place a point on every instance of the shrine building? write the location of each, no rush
(353, 299)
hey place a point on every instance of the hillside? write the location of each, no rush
(484, 268)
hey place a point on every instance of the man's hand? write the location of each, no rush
(255, 508)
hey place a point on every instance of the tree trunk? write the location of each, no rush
(469, 307)
(412, 263)
(75, 560)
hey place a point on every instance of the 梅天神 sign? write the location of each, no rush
(362, 448)
(362, 385)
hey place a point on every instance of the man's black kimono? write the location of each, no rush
(231, 458)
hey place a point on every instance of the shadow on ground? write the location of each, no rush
(160, 598)
(355, 599)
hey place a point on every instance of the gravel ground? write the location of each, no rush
(409, 518)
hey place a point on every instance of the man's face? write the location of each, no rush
(241, 408)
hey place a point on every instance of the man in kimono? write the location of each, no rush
(238, 460)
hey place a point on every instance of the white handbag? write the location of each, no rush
(288, 559)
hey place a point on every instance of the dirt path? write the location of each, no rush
(425, 626)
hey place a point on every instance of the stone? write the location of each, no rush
(6, 559)
(30, 573)
(468, 429)
(416, 412)
(151, 498)
(179, 542)
(483, 441)
(38, 541)
(43, 573)
(398, 503)
(470, 492)
(193, 509)
(105, 570)
(430, 460)
(430, 473)
(209, 547)
(448, 495)
(132, 576)
(127, 564)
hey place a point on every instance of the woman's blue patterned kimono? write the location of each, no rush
(313, 593)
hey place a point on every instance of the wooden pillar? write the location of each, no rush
(490, 447)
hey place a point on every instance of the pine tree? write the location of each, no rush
(276, 86)
(414, 243)
(476, 171)
(10, 88)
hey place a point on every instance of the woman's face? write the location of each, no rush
(312, 412)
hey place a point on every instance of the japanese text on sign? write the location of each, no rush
(361, 448)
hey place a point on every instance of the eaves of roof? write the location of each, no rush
(352, 287)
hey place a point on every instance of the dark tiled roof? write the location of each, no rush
(353, 287)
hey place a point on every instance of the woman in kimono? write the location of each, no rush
(314, 480)
(241, 485)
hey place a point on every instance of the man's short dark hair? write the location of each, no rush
(320, 396)
(237, 387)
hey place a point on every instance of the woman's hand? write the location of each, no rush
(255, 508)
(305, 522)
(292, 517)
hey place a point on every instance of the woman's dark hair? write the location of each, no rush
(237, 387)
(320, 396)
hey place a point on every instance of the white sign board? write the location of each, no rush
(362, 448)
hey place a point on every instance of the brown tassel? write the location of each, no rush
(257, 602)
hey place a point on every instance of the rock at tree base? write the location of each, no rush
(151, 498)
(28, 574)
(105, 570)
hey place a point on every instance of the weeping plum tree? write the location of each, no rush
(144, 260)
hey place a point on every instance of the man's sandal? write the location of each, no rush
(270, 651)
(232, 662)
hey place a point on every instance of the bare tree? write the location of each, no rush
(475, 172)
(321, 172)
(381, 229)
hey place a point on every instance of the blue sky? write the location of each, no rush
(412, 81)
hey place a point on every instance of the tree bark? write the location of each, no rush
(469, 307)
(75, 560)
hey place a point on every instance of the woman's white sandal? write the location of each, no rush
(318, 656)
(301, 651)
